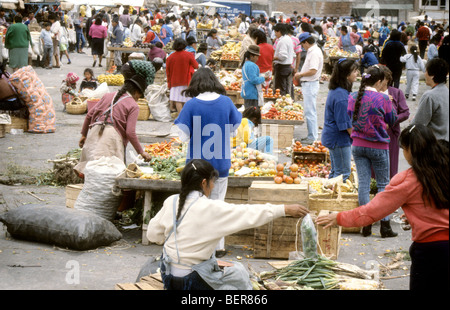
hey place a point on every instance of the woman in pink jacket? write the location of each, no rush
(422, 192)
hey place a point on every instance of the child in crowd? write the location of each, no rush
(251, 118)
(69, 88)
(89, 81)
(414, 65)
(47, 43)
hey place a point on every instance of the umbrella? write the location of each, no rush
(212, 4)
(420, 17)
(181, 3)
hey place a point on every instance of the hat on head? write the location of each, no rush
(302, 37)
(72, 78)
(191, 40)
(254, 49)
(140, 82)
(145, 25)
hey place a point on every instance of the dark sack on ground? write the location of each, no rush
(60, 226)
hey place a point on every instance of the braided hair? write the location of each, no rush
(192, 177)
(373, 75)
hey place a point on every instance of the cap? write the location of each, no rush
(72, 77)
(303, 36)
(254, 49)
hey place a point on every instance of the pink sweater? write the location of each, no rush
(427, 222)
(98, 31)
(125, 116)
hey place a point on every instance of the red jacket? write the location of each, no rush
(423, 33)
(179, 68)
(265, 61)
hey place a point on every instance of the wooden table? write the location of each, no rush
(126, 50)
(235, 96)
(237, 191)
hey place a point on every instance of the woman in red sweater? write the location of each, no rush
(265, 60)
(180, 66)
(423, 192)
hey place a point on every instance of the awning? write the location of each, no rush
(181, 3)
(212, 4)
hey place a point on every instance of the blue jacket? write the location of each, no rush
(169, 34)
(369, 59)
(250, 78)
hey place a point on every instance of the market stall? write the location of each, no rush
(126, 51)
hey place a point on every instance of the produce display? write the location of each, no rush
(284, 108)
(316, 147)
(254, 162)
(337, 52)
(164, 149)
(111, 79)
(288, 173)
(229, 51)
(230, 80)
(316, 274)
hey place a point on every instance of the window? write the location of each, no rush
(431, 2)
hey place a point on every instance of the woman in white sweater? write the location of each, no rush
(188, 261)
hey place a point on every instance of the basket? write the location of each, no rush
(133, 171)
(76, 106)
(144, 110)
(17, 123)
(333, 202)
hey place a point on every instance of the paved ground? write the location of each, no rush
(29, 265)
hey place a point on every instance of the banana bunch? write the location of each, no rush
(111, 79)
(156, 28)
(230, 51)
(347, 187)
(205, 26)
(150, 176)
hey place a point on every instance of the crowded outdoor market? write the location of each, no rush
(221, 145)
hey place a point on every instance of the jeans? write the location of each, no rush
(48, 52)
(263, 144)
(310, 91)
(80, 37)
(365, 159)
(341, 158)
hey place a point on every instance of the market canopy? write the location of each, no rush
(212, 4)
(182, 3)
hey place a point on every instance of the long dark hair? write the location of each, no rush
(342, 69)
(192, 176)
(413, 51)
(253, 114)
(430, 163)
(204, 80)
(373, 75)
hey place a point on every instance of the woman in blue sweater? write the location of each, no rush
(208, 121)
(337, 124)
(251, 80)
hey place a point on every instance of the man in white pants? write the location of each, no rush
(309, 78)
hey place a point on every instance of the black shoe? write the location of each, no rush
(406, 96)
(367, 231)
(386, 230)
(220, 253)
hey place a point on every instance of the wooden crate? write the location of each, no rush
(2, 130)
(72, 192)
(239, 195)
(152, 282)
(310, 156)
(277, 238)
(229, 64)
(328, 239)
(17, 123)
(282, 135)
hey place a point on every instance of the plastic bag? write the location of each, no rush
(309, 237)
(98, 93)
(99, 194)
(158, 102)
(60, 226)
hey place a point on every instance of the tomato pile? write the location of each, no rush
(164, 149)
(316, 147)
